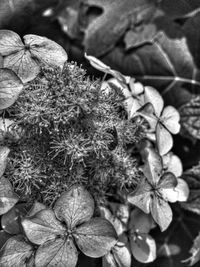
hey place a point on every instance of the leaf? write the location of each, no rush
(190, 118)
(179, 8)
(17, 14)
(168, 63)
(195, 251)
(74, 206)
(15, 252)
(59, 252)
(173, 245)
(10, 88)
(25, 58)
(143, 248)
(192, 177)
(42, 227)
(96, 237)
(7, 197)
(106, 29)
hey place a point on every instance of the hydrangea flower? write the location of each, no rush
(156, 189)
(164, 121)
(70, 222)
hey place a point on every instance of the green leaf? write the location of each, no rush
(15, 252)
(59, 252)
(190, 118)
(96, 237)
(106, 29)
(10, 88)
(25, 58)
(43, 226)
(74, 206)
(7, 197)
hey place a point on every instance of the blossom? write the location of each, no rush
(156, 189)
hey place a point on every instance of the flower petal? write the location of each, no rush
(140, 221)
(170, 118)
(46, 50)
(183, 190)
(119, 227)
(122, 255)
(151, 95)
(7, 197)
(161, 212)
(10, 88)
(74, 206)
(147, 112)
(164, 139)
(169, 194)
(23, 65)
(42, 227)
(59, 252)
(141, 196)
(96, 237)
(143, 248)
(136, 87)
(173, 164)
(15, 252)
(168, 180)
(10, 42)
(152, 168)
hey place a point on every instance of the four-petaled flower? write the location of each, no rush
(70, 222)
(156, 189)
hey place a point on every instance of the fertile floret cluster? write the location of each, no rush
(72, 132)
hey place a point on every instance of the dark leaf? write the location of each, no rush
(190, 118)
(10, 88)
(192, 177)
(168, 62)
(15, 252)
(195, 251)
(59, 252)
(107, 28)
(7, 197)
(74, 206)
(180, 234)
(43, 226)
(96, 237)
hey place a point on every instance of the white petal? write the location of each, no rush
(136, 87)
(169, 194)
(98, 64)
(152, 96)
(171, 118)
(183, 190)
(173, 164)
(164, 139)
